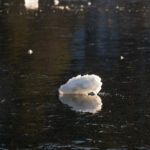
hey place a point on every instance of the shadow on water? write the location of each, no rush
(109, 38)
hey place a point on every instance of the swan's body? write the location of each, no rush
(32, 4)
(82, 103)
(82, 85)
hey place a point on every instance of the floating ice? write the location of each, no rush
(32, 4)
(67, 8)
(56, 2)
(89, 3)
(121, 57)
(82, 103)
(84, 85)
(117, 7)
(30, 51)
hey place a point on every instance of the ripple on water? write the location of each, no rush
(117, 148)
(78, 142)
(2, 100)
(52, 146)
(143, 147)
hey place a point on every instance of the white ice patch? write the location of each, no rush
(31, 4)
(83, 85)
(121, 57)
(56, 2)
(82, 103)
(30, 51)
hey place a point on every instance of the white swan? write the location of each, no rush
(84, 85)
(82, 103)
(32, 4)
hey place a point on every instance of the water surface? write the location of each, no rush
(109, 38)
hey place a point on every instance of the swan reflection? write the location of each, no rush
(31, 4)
(82, 103)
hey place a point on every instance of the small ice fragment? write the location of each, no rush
(67, 8)
(30, 52)
(120, 8)
(117, 7)
(89, 3)
(81, 6)
(121, 57)
(31, 4)
(56, 2)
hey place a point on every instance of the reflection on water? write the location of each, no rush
(32, 4)
(82, 103)
(70, 38)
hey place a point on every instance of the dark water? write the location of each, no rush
(84, 38)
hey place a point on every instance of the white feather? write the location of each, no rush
(82, 103)
(82, 85)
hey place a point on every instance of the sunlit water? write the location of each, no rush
(41, 48)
